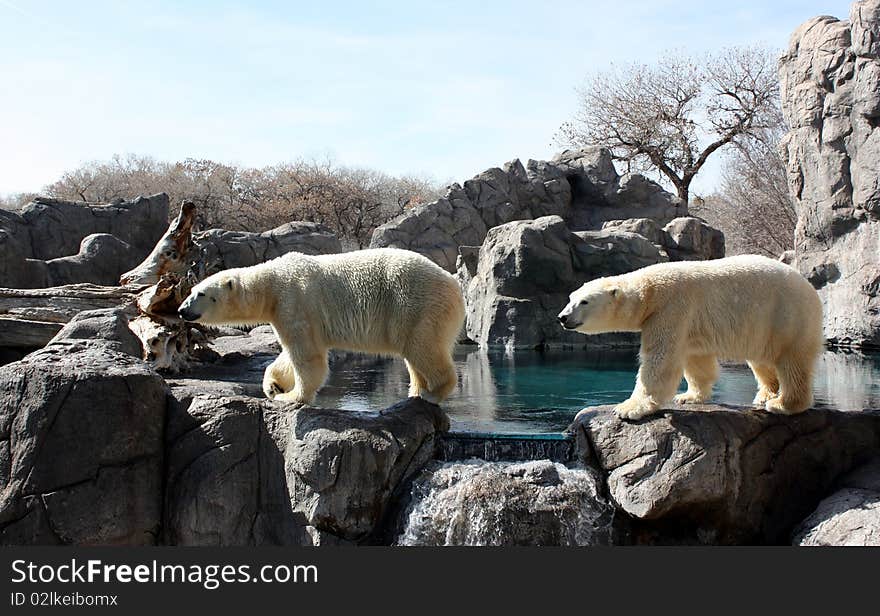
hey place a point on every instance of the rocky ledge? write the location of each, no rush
(204, 460)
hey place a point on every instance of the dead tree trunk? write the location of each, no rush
(168, 340)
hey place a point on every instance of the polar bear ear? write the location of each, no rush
(614, 291)
(229, 284)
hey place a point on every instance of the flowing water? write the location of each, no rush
(540, 392)
(506, 503)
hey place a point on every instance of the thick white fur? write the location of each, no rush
(385, 301)
(691, 314)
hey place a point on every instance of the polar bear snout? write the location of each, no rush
(187, 312)
(567, 321)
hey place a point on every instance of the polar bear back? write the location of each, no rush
(738, 308)
(368, 300)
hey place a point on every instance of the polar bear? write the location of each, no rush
(693, 313)
(385, 301)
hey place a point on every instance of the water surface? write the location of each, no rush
(539, 392)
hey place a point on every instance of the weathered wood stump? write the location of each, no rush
(29, 318)
(168, 340)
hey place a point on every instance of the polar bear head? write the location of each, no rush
(599, 306)
(219, 299)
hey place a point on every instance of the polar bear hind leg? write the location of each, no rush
(432, 374)
(429, 360)
(768, 383)
(795, 381)
(417, 382)
(278, 377)
(310, 371)
(700, 372)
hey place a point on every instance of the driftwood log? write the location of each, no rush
(29, 318)
(168, 341)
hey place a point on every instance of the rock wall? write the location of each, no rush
(520, 239)
(581, 187)
(205, 460)
(850, 516)
(831, 100)
(55, 242)
(223, 249)
(728, 476)
(521, 277)
(81, 451)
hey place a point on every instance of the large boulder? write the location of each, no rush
(81, 451)
(849, 516)
(831, 101)
(55, 242)
(243, 470)
(29, 318)
(525, 271)
(227, 249)
(225, 477)
(343, 467)
(723, 476)
(101, 259)
(691, 239)
(580, 186)
(506, 503)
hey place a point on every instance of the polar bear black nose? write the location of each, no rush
(563, 319)
(187, 314)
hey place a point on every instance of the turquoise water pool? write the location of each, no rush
(535, 392)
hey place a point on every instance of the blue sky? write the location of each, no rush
(443, 89)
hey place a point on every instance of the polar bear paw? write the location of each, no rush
(635, 409)
(272, 390)
(691, 397)
(763, 396)
(776, 406)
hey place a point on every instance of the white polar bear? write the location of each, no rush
(385, 301)
(693, 313)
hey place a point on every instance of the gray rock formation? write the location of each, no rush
(29, 318)
(691, 239)
(498, 503)
(726, 476)
(344, 467)
(582, 187)
(517, 269)
(226, 249)
(830, 97)
(55, 242)
(525, 271)
(94, 450)
(247, 471)
(850, 516)
(81, 451)
(225, 477)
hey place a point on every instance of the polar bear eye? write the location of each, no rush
(584, 302)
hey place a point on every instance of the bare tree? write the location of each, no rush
(15, 201)
(350, 201)
(672, 116)
(753, 206)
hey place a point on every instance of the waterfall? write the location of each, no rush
(476, 502)
(506, 447)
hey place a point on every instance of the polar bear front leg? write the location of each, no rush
(700, 372)
(278, 377)
(658, 378)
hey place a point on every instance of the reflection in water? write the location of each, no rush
(532, 391)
